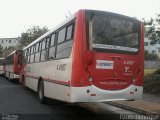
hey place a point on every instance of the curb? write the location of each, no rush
(131, 108)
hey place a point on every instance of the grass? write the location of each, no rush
(149, 71)
(152, 81)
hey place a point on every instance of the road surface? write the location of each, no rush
(21, 102)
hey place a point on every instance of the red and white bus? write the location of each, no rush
(2, 67)
(93, 56)
(12, 64)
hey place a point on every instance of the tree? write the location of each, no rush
(1, 51)
(31, 34)
(149, 56)
(152, 29)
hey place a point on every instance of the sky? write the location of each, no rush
(16, 16)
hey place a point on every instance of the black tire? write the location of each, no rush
(9, 76)
(41, 97)
(23, 80)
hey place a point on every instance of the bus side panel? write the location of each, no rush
(9, 69)
(58, 85)
(79, 74)
(57, 91)
(79, 77)
(56, 82)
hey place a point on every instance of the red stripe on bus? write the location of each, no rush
(51, 80)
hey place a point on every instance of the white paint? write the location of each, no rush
(113, 47)
(79, 94)
(49, 70)
(104, 64)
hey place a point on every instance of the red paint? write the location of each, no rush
(79, 75)
(84, 62)
(15, 58)
(131, 93)
(93, 94)
(62, 82)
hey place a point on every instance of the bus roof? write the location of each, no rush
(66, 21)
(51, 31)
(11, 53)
(14, 52)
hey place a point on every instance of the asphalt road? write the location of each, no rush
(21, 103)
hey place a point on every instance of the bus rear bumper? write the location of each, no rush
(94, 94)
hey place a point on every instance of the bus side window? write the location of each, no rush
(37, 53)
(47, 47)
(43, 51)
(47, 43)
(43, 44)
(25, 56)
(52, 47)
(61, 35)
(29, 53)
(64, 48)
(69, 32)
(40, 49)
(32, 54)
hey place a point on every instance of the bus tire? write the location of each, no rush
(41, 96)
(9, 76)
(23, 80)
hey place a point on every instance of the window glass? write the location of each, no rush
(25, 53)
(32, 58)
(69, 32)
(37, 56)
(40, 46)
(52, 53)
(61, 35)
(1, 61)
(47, 43)
(30, 50)
(9, 60)
(28, 59)
(52, 40)
(25, 59)
(112, 34)
(64, 49)
(34, 49)
(37, 47)
(43, 44)
(43, 55)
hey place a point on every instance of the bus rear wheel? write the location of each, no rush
(41, 96)
(23, 80)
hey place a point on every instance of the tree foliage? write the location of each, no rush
(152, 29)
(31, 34)
(149, 56)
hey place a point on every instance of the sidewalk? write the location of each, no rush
(150, 104)
(151, 98)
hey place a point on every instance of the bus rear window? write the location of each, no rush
(114, 34)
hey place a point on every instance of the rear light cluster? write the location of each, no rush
(134, 79)
(90, 79)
